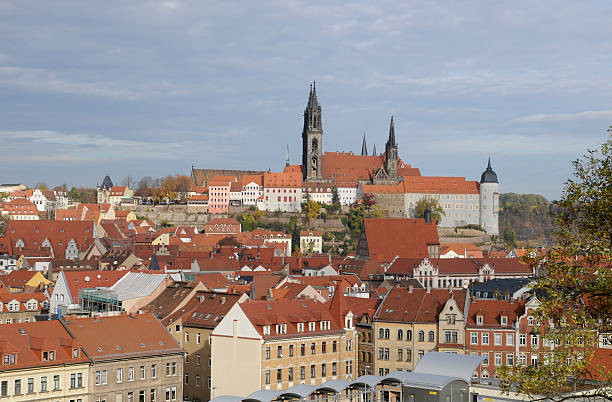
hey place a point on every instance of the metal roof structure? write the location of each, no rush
(439, 363)
(434, 371)
(227, 398)
(132, 285)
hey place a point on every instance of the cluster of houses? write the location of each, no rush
(201, 303)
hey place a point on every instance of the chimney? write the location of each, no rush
(223, 300)
(410, 288)
(428, 289)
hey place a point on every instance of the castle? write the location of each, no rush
(395, 185)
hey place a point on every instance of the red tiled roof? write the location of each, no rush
(252, 178)
(311, 233)
(470, 250)
(106, 338)
(290, 312)
(450, 266)
(492, 310)
(23, 299)
(18, 278)
(402, 305)
(406, 238)
(20, 206)
(439, 185)
(27, 339)
(207, 309)
(289, 179)
(348, 166)
(77, 280)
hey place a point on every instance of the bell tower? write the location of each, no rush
(391, 153)
(312, 138)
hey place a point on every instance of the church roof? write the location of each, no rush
(346, 166)
(107, 183)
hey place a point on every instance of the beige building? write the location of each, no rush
(133, 358)
(277, 344)
(40, 361)
(406, 326)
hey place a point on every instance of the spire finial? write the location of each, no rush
(392, 132)
(489, 163)
(364, 146)
(287, 157)
(374, 150)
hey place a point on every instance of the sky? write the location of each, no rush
(150, 88)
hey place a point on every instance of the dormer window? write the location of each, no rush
(530, 320)
(281, 328)
(75, 353)
(504, 320)
(311, 326)
(479, 319)
(325, 325)
(300, 327)
(266, 330)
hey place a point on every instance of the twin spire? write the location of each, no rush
(390, 141)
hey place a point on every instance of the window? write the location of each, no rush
(30, 385)
(498, 359)
(349, 345)
(386, 353)
(153, 395)
(431, 336)
(504, 320)
(4, 388)
(56, 382)
(174, 368)
(313, 348)
(334, 346)
(313, 371)
(534, 360)
(198, 338)
(510, 359)
(408, 335)
(43, 383)
(485, 339)
(400, 334)
(279, 375)
(18, 387)
(509, 339)
(290, 350)
(142, 372)
(323, 347)
(75, 353)
(267, 353)
(522, 360)
(186, 378)
(197, 363)
(400, 355)
(485, 362)
(522, 339)
(323, 370)
(530, 320)
(497, 339)
(334, 368)
(130, 373)
(535, 340)
(300, 327)
(72, 380)
(408, 355)
(349, 366)
(167, 393)
(279, 352)
(167, 369)
(303, 373)
(303, 349)
(421, 336)
(98, 377)
(267, 377)
(290, 374)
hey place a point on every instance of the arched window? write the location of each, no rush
(408, 335)
(400, 334)
(387, 332)
(431, 336)
(381, 333)
(421, 336)
(315, 144)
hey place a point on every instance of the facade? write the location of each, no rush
(271, 236)
(347, 191)
(219, 194)
(222, 226)
(311, 241)
(65, 294)
(406, 326)
(277, 344)
(456, 272)
(20, 209)
(318, 192)
(282, 191)
(252, 189)
(41, 361)
(147, 365)
(492, 331)
(21, 307)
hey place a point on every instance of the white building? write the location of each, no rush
(283, 191)
(347, 192)
(311, 241)
(252, 189)
(319, 192)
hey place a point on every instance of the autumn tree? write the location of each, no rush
(431, 204)
(574, 288)
(311, 208)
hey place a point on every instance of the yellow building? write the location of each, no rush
(277, 344)
(18, 280)
(41, 361)
(406, 326)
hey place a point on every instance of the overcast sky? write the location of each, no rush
(90, 88)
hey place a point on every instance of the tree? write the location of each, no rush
(369, 201)
(575, 288)
(143, 188)
(183, 185)
(128, 181)
(335, 203)
(437, 212)
(311, 209)
(41, 186)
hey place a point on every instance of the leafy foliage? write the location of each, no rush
(526, 217)
(311, 208)
(576, 284)
(437, 212)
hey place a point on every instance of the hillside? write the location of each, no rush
(526, 218)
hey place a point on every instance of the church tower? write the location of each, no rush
(312, 138)
(391, 153)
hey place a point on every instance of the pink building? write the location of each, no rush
(219, 194)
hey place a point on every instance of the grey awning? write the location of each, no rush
(448, 364)
(419, 380)
(334, 386)
(263, 395)
(298, 391)
(369, 380)
(226, 398)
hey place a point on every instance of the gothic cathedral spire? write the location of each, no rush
(312, 138)
(364, 146)
(391, 152)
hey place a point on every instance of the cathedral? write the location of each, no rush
(396, 185)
